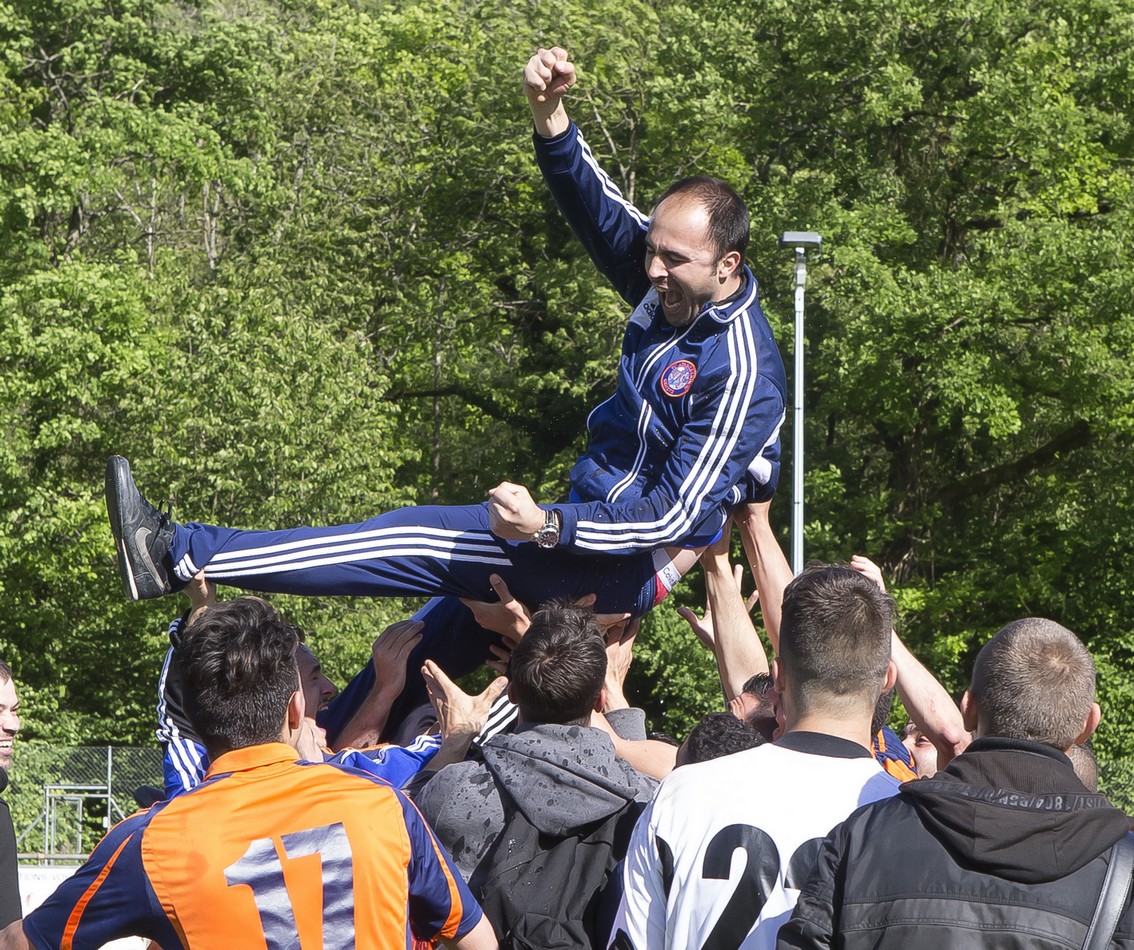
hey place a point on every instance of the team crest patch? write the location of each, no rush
(677, 378)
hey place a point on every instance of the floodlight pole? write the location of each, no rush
(800, 241)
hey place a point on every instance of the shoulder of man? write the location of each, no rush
(453, 787)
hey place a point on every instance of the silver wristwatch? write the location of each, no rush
(548, 535)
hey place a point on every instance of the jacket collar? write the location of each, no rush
(252, 757)
(725, 311)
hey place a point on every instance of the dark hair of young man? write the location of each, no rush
(716, 735)
(835, 638)
(728, 216)
(762, 717)
(1034, 680)
(882, 710)
(557, 669)
(239, 669)
(758, 685)
(5, 671)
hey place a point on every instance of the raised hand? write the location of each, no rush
(619, 654)
(202, 595)
(547, 77)
(508, 617)
(391, 651)
(459, 716)
(703, 625)
(867, 568)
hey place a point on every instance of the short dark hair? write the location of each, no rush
(882, 709)
(758, 685)
(1034, 680)
(718, 734)
(5, 671)
(729, 227)
(835, 637)
(558, 667)
(238, 665)
(763, 717)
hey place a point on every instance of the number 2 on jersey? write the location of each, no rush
(755, 883)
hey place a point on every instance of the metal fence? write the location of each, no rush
(65, 798)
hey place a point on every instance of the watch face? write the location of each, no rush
(547, 536)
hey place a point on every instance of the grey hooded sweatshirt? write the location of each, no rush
(561, 777)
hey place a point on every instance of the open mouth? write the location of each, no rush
(671, 297)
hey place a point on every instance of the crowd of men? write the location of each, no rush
(401, 812)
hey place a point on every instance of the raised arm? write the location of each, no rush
(609, 227)
(930, 707)
(547, 77)
(390, 651)
(769, 566)
(460, 716)
(726, 627)
(648, 756)
(202, 595)
(928, 703)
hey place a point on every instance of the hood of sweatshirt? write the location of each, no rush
(1016, 810)
(563, 777)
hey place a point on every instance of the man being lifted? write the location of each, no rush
(691, 429)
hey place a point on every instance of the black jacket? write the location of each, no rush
(1004, 848)
(9, 870)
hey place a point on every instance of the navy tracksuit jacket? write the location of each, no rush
(691, 430)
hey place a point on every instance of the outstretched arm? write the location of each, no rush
(511, 618)
(735, 423)
(726, 627)
(391, 650)
(460, 716)
(769, 566)
(928, 703)
(648, 756)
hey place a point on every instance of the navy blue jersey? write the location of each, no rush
(693, 426)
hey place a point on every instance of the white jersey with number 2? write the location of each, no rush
(716, 861)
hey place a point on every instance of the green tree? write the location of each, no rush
(293, 257)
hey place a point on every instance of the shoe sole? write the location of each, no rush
(139, 584)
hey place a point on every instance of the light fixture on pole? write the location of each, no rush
(800, 241)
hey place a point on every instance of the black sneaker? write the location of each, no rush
(142, 534)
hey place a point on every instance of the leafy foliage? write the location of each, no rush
(293, 258)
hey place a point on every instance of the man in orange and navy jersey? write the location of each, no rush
(269, 851)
